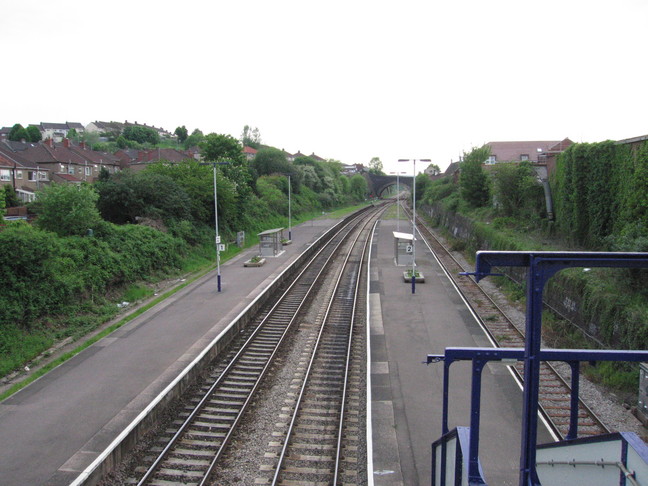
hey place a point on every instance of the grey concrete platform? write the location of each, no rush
(57, 426)
(406, 395)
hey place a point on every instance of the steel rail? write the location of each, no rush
(225, 373)
(309, 369)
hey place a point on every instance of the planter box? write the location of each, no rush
(250, 263)
(419, 279)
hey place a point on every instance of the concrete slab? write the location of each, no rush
(413, 326)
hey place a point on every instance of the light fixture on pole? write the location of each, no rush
(219, 246)
(414, 218)
(397, 199)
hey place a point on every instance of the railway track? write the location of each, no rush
(189, 451)
(555, 392)
(321, 437)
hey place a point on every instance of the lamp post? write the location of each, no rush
(397, 199)
(414, 218)
(219, 245)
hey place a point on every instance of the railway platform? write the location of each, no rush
(406, 394)
(54, 429)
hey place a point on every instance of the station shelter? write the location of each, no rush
(403, 249)
(270, 242)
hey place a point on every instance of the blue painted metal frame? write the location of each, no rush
(542, 266)
(462, 436)
(481, 356)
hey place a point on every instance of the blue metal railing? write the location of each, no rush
(541, 266)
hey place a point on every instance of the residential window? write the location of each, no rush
(88, 171)
(524, 157)
(31, 175)
(70, 170)
(19, 174)
(492, 159)
(5, 175)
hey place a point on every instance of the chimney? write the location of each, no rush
(82, 144)
(49, 142)
(66, 142)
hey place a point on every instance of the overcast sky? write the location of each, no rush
(348, 80)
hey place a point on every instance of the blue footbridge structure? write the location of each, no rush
(610, 459)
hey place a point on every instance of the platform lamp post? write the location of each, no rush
(217, 240)
(414, 218)
(397, 199)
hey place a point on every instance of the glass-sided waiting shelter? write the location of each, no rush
(270, 244)
(403, 249)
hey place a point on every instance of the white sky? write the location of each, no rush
(347, 80)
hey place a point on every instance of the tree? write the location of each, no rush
(194, 139)
(270, 161)
(10, 197)
(90, 138)
(251, 137)
(34, 134)
(422, 182)
(473, 180)
(376, 166)
(516, 189)
(18, 133)
(67, 209)
(359, 187)
(127, 195)
(181, 133)
(216, 147)
(141, 134)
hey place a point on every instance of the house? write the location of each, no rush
(249, 153)
(146, 157)
(351, 169)
(59, 131)
(25, 177)
(542, 154)
(114, 129)
(431, 171)
(524, 151)
(36, 164)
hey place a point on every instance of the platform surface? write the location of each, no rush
(406, 394)
(54, 428)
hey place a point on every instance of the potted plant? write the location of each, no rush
(418, 276)
(255, 261)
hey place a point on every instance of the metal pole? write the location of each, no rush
(217, 239)
(289, 217)
(397, 202)
(414, 231)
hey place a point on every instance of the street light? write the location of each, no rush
(414, 219)
(397, 199)
(219, 246)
